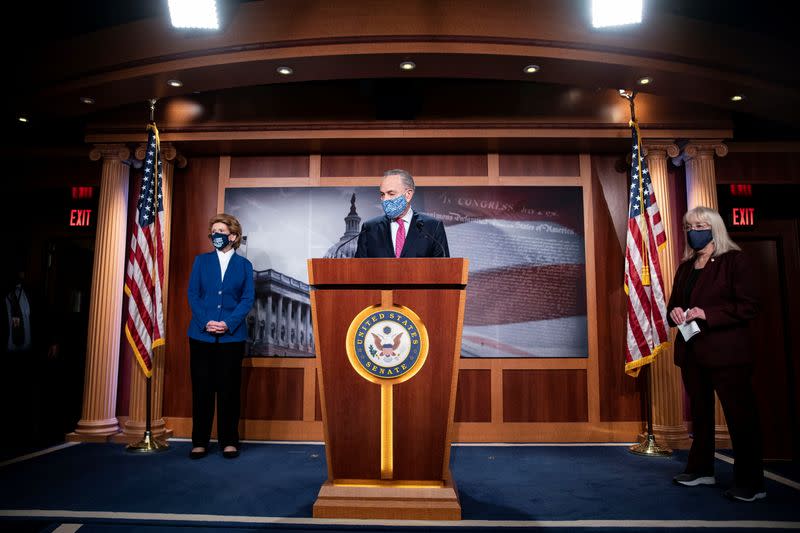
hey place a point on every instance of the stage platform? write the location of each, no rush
(272, 486)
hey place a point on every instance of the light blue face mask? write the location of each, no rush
(219, 240)
(394, 207)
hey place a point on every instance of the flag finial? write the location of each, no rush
(152, 102)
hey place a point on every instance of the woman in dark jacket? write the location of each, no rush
(714, 288)
(221, 293)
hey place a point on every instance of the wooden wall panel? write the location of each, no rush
(545, 396)
(272, 393)
(194, 201)
(474, 396)
(417, 165)
(539, 165)
(270, 167)
(619, 395)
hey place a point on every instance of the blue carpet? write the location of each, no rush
(541, 483)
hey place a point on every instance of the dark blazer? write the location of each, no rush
(228, 300)
(375, 239)
(725, 291)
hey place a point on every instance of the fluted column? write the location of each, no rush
(701, 189)
(98, 416)
(136, 423)
(666, 384)
(701, 179)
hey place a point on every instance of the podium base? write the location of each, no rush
(386, 501)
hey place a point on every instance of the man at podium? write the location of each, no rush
(401, 232)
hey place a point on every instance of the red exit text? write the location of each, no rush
(80, 217)
(743, 216)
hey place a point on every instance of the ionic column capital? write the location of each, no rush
(118, 152)
(168, 151)
(705, 149)
(660, 148)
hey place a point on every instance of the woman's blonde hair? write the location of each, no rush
(233, 226)
(706, 215)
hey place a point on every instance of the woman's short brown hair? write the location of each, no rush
(233, 226)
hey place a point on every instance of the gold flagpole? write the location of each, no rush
(149, 443)
(648, 447)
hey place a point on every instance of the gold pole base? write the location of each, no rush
(650, 448)
(147, 444)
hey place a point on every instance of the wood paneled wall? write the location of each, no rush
(565, 399)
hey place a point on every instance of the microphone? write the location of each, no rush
(420, 225)
(336, 251)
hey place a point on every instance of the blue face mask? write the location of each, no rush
(219, 240)
(394, 208)
(699, 238)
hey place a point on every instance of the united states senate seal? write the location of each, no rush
(387, 344)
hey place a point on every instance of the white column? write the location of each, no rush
(98, 416)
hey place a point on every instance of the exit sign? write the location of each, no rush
(80, 217)
(743, 216)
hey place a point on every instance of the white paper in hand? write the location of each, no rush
(689, 329)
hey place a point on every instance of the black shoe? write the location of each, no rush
(232, 454)
(198, 454)
(693, 480)
(745, 495)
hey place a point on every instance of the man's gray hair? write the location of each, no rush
(405, 177)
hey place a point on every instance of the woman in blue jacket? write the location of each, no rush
(221, 294)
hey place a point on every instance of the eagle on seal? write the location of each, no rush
(387, 349)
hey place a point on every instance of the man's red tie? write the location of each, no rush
(400, 239)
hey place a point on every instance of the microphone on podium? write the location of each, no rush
(420, 226)
(336, 251)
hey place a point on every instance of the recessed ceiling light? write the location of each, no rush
(175, 83)
(88, 100)
(285, 71)
(645, 81)
(737, 98)
(408, 65)
(531, 69)
(22, 119)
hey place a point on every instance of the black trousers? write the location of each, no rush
(735, 390)
(216, 369)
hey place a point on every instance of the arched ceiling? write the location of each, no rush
(469, 54)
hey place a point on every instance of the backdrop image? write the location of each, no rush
(526, 295)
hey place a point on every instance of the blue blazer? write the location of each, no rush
(376, 238)
(213, 298)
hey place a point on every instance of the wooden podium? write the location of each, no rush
(388, 339)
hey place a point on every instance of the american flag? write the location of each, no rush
(646, 331)
(144, 325)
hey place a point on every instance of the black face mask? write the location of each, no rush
(219, 240)
(699, 238)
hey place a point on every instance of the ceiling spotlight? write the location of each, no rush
(616, 12)
(175, 83)
(531, 69)
(408, 65)
(645, 81)
(737, 98)
(285, 71)
(195, 14)
(22, 119)
(88, 100)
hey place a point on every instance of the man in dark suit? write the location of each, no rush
(401, 232)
